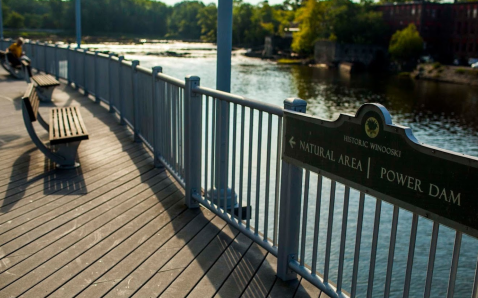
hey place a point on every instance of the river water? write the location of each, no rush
(440, 114)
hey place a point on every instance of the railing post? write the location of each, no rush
(134, 78)
(192, 144)
(69, 64)
(57, 63)
(156, 120)
(289, 213)
(45, 60)
(85, 68)
(37, 60)
(110, 83)
(97, 95)
(121, 93)
(77, 63)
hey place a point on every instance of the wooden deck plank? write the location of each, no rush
(154, 217)
(216, 234)
(115, 227)
(105, 237)
(238, 280)
(143, 273)
(308, 290)
(263, 280)
(65, 213)
(40, 194)
(214, 277)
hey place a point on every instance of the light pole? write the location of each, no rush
(223, 83)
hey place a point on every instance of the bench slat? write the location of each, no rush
(74, 120)
(45, 80)
(68, 126)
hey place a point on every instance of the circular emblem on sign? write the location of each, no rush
(372, 127)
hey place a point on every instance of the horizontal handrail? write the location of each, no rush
(254, 104)
(171, 80)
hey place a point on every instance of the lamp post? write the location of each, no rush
(223, 83)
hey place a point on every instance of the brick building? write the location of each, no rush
(449, 30)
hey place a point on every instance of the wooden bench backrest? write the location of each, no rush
(32, 102)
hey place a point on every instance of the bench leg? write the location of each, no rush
(68, 152)
(45, 93)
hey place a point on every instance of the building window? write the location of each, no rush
(458, 28)
(433, 13)
(474, 13)
(413, 11)
(465, 28)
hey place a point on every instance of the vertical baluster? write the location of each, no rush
(213, 150)
(315, 244)
(431, 259)
(373, 252)
(342, 239)
(122, 94)
(136, 101)
(258, 174)
(454, 265)
(157, 125)
(174, 103)
(226, 157)
(206, 145)
(358, 239)
(278, 173)
(474, 294)
(268, 176)
(391, 251)
(251, 127)
(411, 253)
(241, 168)
(329, 231)
(218, 153)
(305, 206)
(193, 127)
(233, 178)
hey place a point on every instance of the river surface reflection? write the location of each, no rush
(440, 114)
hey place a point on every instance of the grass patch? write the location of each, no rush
(460, 71)
(289, 61)
(404, 74)
(436, 65)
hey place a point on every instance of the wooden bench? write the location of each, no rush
(45, 84)
(18, 72)
(66, 129)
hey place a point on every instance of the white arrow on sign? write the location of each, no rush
(291, 142)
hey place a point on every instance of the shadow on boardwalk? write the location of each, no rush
(117, 226)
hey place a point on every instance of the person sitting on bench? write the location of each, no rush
(15, 54)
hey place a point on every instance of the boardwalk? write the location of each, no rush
(116, 226)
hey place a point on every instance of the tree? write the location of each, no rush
(342, 21)
(207, 19)
(15, 21)
(406, 44)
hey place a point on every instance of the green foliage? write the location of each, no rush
(15, 21)
(436, 65)
(337, 20)
(406, 44)
(207, 19)
(460, 71)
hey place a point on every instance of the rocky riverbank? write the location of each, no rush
(446, 73)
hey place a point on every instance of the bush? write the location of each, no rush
(460, 71)
(436, 65)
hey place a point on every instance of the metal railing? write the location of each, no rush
(340, 239)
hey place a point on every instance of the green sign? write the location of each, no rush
(369, 153)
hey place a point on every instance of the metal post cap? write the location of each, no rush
(295, 104)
